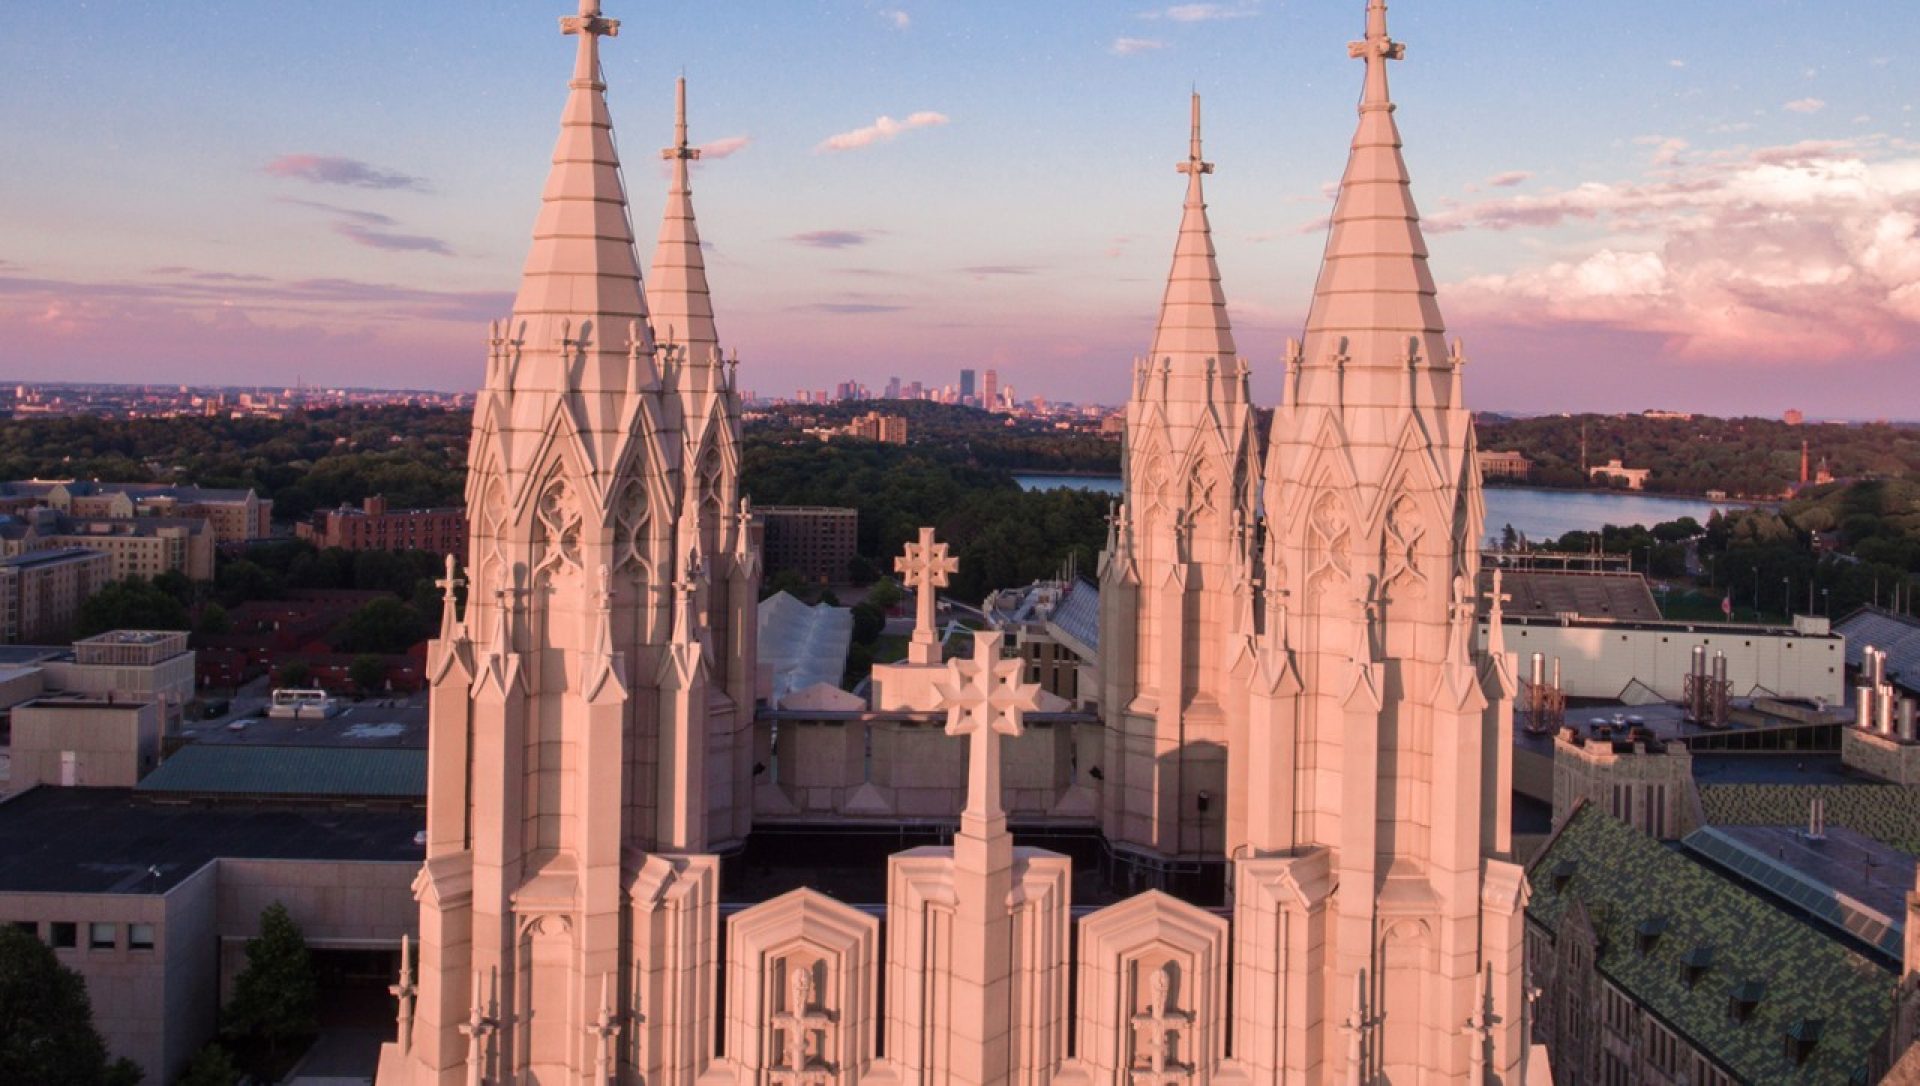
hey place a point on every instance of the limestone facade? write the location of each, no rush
(1293, 694)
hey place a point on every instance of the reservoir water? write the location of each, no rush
(1534, 512)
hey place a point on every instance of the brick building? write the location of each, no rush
(374, 527)
(816, 541)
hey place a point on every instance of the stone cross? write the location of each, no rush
(478, 1027)
(1165, 1028)
(589, 24)
(405, 990)
(925, 565)
(603, 1030)
(796, 1026)
(1194, 164)
(985, 700)
(1479, 1029)
(1359, 1028)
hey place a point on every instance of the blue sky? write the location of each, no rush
(1709, 204)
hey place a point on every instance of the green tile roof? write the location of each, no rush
(1624, 878)
(1888, 813)
(231, 768)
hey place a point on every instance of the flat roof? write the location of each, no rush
(51, 557)
(1854, 864)
(26, 655)
(1666, 720)
(364, 725)
(341, 772)
(117, 841)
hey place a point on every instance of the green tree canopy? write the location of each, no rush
(275, 995)
(381, 626)
(132, 604)
(46, 1021)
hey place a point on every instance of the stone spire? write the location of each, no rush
(682, 309)
(1193, 316)
(580, 300)
(1374, 307)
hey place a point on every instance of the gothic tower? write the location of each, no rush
(591, 708)
(1177, 577)
(1377, 766)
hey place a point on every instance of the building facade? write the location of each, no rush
(144, 546)
(234, 516)
(1504, 465)
(818, 542)
(375, 527)
(41, 591)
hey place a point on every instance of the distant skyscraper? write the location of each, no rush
(990, 390)
(893, 388)
(966, 386)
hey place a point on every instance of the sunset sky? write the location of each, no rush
(1710, 205)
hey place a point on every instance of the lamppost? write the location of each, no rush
(1786, 598)
(1826, 606)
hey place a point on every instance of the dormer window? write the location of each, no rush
(1647, 933)
(1563, 874)
(1745, 999)
(1801, 1038)
(1697, 963)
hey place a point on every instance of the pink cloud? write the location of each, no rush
(883, 129)
(335, 170)
(725, 148)
(833, 239)
(1509, 179)
(1803, 253)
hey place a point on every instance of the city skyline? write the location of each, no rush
(1713, 233)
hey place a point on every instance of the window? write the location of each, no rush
(63, 934)
(102, 936)
(140, 936)
(31, 927)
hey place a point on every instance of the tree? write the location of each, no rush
(369, 673)
(211, 1066)
(886, 595)
(383, 626)
(868, 623)
(296, 673)
(274, 996)
(46, 1021)
(214, 621)
(132, 604)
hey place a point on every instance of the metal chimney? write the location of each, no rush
(1904, 715)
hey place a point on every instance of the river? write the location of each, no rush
(1534, 512)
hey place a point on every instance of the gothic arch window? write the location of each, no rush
(492, 564)
(1406, 532)
(557, 525)
(1330, 546)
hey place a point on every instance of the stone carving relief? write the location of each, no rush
(557, 524)
(1405, 531)
(802, 1033)
(1330, 545)
(632, 526)
(1161, 1033)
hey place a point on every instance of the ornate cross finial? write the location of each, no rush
(925, 565)
(680, 150)
(477, 1028)
(1496, 598)
(985, 700)
(404, 992)
(1377, 49)
(1158, 1031)
(589, 23)
(449, 585)
(603, 1030)
(1195, 164)
(805, 1031)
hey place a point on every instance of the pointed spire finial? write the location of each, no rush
(1378, 48)
(680, 150)
(1195, 164)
